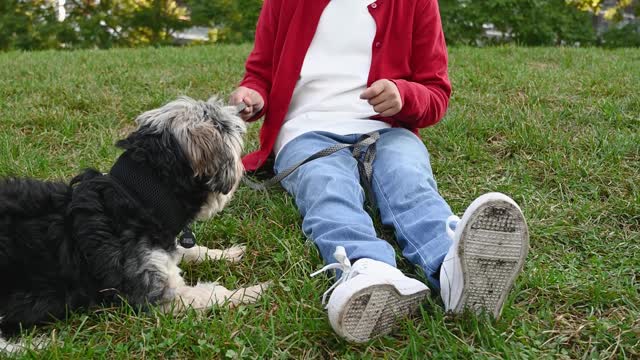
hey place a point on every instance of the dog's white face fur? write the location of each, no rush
(211, 135)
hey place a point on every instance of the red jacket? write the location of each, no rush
(408, 48)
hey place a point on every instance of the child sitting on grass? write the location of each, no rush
(325, 72)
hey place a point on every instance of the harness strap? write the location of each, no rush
(365, 169)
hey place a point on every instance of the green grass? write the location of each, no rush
(558, 129)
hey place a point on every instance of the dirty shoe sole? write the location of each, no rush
(493, 246)
(375, 311)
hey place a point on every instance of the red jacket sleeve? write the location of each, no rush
(425, 98)
(259, 65)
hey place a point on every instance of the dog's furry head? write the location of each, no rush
(210, 136)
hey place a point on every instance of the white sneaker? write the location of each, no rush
(490, 245)
(370, 297)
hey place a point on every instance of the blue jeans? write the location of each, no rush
(330, 199)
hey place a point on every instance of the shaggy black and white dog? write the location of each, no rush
(107, 238)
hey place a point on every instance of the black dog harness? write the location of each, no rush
(139, 180)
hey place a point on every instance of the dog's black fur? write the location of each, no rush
(65, 247)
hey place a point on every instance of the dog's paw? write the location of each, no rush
(198, 254)
(234, 253)
(249, 295)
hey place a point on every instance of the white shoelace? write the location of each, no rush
(343, 265)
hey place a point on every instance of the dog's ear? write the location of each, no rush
(161, 148)
(211, 157)
(134, 139)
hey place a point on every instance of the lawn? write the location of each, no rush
(558, 129)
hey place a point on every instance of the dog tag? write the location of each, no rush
(187, 239)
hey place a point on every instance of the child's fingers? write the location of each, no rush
(248, 110)
(389, 112)
(382, 107)
(372, 91)
(382, 97)
(236, 97)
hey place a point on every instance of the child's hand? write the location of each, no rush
(384, 96)
(250, 97)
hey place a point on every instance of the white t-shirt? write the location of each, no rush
(333, 75)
